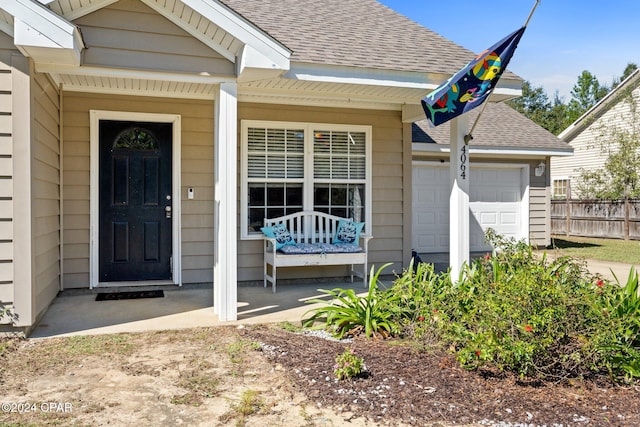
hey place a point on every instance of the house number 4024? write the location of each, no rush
(463, 162)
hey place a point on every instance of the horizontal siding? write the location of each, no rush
(6, 292)
(539, 205)
(46, 193)
(6, 273)
(159, 44)
(587, 151)
(197, 166)
(6, 145)
(6, 250)
(6, 171)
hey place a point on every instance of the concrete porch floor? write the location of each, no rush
(76, 312)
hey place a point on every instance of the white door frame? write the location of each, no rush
(94, 254)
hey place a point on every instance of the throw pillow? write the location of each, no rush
(280, 233)
(348, 232)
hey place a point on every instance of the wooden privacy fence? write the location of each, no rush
(589, 218)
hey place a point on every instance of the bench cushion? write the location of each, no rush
(320, 248)
(280, 233)
(348, 232)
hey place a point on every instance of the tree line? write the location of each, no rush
(555, 114)
(619, 176)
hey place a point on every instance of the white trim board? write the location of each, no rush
(94, 253)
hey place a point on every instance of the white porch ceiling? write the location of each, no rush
(140, 87)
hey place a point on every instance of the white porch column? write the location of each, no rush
(459, 197)
(225, 262)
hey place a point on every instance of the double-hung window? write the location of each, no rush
(289, 167)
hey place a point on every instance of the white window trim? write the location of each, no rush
(308, 181)
(174, 119)
(559, 178)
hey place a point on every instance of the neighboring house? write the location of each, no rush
(509, 157)
(612, 111)
(142, 142)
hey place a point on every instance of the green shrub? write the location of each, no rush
(520, 312)
(350, 314)
(348, 365)
(620, 344)
(6, 313)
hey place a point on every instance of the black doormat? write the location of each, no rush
(110, 296)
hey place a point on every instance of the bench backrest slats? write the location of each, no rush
(307, 226)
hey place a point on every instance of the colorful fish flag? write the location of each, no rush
(472, 85)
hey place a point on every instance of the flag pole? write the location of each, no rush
(468, 137)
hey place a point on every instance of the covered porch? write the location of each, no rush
(76, 312)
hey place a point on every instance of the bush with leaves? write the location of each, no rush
(6, 313)
(348, 314)
(520, 312)
(348, 365)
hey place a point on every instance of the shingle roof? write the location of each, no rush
(499, 126)
(359, 33)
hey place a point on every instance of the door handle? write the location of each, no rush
(167, 211)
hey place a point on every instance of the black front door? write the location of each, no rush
(135, 201)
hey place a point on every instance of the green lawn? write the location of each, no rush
(627, 251)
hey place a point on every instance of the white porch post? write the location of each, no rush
(459, 197)
(225, 262)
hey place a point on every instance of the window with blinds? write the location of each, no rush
(289, 167)
(339, 172)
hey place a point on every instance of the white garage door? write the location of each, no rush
(495, 201)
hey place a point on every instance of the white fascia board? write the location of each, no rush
(47, 28)
(361, 76)
(388, 78)
(253, 65)
(428, 148)
(126, 73)
(243, 30)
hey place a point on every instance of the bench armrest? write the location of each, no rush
(364, 238)
(270, 244)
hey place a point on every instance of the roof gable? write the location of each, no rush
(209, 21)
(606, 103)
(130, 35)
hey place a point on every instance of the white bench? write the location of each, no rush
(313, 231)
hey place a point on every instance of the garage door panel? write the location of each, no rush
(488, 218)
(495, 198)
(508, 218)
(427, 218)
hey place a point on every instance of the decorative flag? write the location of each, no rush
(472, 85)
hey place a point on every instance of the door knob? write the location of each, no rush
(167, 211)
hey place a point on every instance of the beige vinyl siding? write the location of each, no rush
(197, 172)
(587, 153)
(45, 165)
(387, 204)
(129, 34)
(6, 170)
(539, 207)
